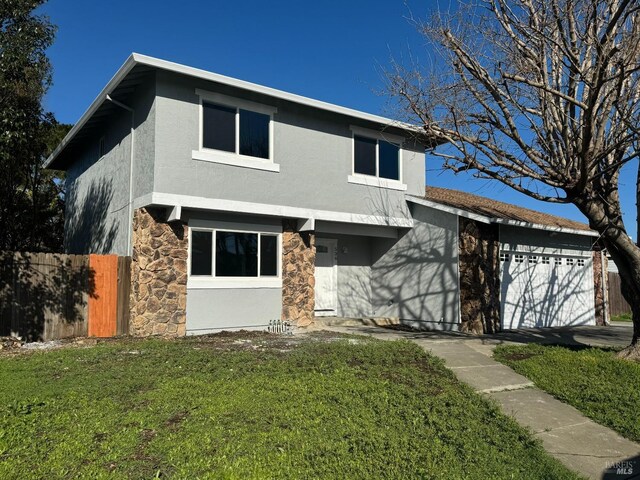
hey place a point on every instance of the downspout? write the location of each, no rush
(130, 209)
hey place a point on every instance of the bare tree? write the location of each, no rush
(543, 96)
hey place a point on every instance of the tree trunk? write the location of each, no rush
(606, 219)
(632, 352)
(627, 259)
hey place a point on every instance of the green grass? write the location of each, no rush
(228, 407)
(593, 380)
(624, 317)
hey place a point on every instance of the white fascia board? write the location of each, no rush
(547, 228)
(235, 206)
(444, 208)
(499, 221)
(122, 72)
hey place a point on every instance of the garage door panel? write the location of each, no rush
(546, 291)
(578, 295)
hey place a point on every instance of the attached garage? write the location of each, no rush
(519, 268)
(546, 290)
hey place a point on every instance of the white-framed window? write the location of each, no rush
(233, 258)
(557, 261)
(546, 260)
(504, 257)
(376, 159)
(570, 261)
(533, 259)
(519, 258)
(235, 131)
(581, 262)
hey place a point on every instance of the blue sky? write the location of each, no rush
(331, 50)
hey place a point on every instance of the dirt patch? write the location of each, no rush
(12, 346)
(148, 434)
(242, 340)
(516, 357)
(173, 423)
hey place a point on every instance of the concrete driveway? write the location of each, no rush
(618, 334)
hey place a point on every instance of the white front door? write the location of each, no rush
(326, 273)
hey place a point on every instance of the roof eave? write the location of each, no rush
(499, 221)
(122, 72)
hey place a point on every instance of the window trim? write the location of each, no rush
(234, 158)
(213, 281)
(371, 180)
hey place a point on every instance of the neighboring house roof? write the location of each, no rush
(134, 68)
(493, 211)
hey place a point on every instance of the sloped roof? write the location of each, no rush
(498, 210)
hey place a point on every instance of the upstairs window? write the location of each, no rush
(218, 127)
(235, 130)
(376, 158)
(254, 134)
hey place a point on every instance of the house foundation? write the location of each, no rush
(158, 275)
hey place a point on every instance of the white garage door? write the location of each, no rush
(546, 291)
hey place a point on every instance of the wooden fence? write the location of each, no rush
(617, 304)
(46, 296)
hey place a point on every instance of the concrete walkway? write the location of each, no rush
(578, 442)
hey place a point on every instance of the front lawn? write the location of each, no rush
(253, 406)
(593, 380)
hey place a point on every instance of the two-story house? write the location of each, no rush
(241, 204)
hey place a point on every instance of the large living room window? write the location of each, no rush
(377, 159)
(235, 132)
(233, 254)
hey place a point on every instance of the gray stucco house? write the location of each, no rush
(241, 204)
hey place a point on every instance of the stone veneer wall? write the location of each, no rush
(479, 271)
(599, 284)
(158, 275)
(298, 274)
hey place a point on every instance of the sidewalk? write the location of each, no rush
(575, 440)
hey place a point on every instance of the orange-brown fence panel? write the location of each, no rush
(103, 303)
